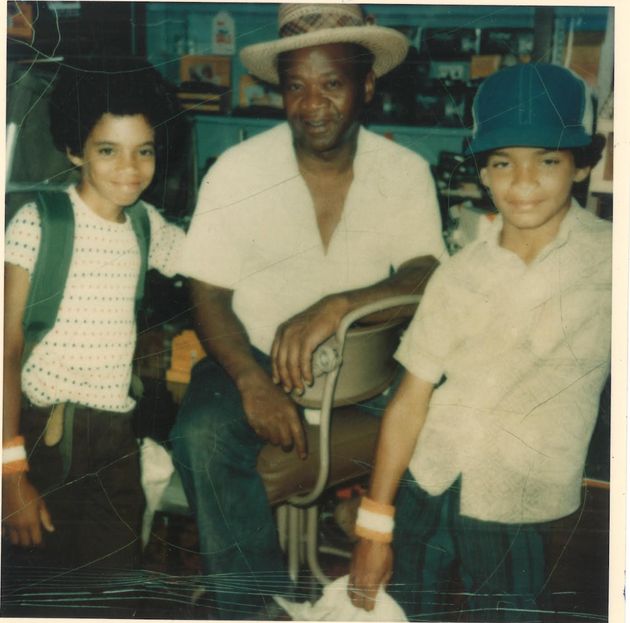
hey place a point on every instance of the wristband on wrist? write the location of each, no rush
(377, 507)
(18, 440)
(375, 521)
(373, 535)
(14, 456)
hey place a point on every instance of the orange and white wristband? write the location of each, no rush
(14, 459)
(375, 521)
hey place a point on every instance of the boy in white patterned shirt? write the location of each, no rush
(485, 442)
(71, 493)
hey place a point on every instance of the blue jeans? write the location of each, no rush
(215, 451)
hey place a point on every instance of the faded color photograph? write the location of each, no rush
(308, 312)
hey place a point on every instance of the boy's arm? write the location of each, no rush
(298, 337)
(402, 423)
(269, 411)
(23, 510)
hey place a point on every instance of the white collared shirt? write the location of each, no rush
(254, 230)
(525, 350)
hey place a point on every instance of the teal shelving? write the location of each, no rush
(174, 29)
(217, 133)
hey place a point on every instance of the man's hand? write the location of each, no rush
(371, 566)
(24, 512)
(297, 338)
(270, 412)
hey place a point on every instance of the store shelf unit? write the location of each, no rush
(174, 30)
(217, 133)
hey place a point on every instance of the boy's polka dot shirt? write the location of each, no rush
(86, 357)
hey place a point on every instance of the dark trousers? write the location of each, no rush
(499, 568)
(95, 500)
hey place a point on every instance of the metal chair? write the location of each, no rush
(352, 366)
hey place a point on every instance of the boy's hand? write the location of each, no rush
(24, 512)
(371, 566)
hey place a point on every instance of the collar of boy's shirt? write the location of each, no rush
(569, 222)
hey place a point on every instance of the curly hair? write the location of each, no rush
(587, 156)
(81, 96)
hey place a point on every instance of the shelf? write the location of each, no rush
(216, 133)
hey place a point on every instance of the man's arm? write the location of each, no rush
(23, 510)
(298, 337)
(402, 423)
(271, 413)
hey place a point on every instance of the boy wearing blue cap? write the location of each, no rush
(485, 441)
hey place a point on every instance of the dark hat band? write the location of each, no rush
(318, 21)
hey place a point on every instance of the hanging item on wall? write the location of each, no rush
(223, 34)
(205, 69)
(205, 83)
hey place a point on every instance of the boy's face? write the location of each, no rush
(117, 164)
(531, 186)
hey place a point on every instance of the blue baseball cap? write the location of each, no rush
(531, 105)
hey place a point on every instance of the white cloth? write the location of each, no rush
(335, 605)
(86, 357)
(156, 468)
(525, 350)
(254, 229)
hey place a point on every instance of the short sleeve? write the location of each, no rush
(419, 226)
(166, 244)
(210, 252)
(426, 343)
(22, 238)
(240, 196)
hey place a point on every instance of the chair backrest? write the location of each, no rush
(365, 370)
(369, 368)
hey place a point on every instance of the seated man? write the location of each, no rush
(293, 229)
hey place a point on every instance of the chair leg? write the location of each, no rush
(293, 542)
(282, 520)
(300, 541)
(312, 557)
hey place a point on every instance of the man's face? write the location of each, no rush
(531, 186)
(323, 96)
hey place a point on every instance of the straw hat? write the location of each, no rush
(306, 25)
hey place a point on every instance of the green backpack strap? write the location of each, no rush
(137, 213)
(51, 266)
(142, 228)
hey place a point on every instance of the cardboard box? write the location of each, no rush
(484, 65)
(450, 42)
(186, 351)
(204, 102)
(20, 20)
(602, 174)
(206, 69)
(516, 41)
(253, 92)
(585, 54)
(450, 70)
